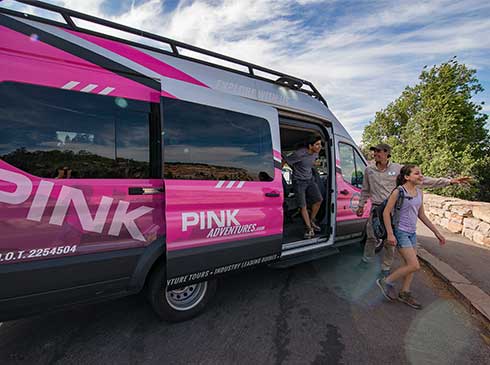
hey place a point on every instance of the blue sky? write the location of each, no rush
(359, 54)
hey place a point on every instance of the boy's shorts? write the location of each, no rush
(405, 239)
(304, 188)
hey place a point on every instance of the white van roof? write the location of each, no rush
(216, 71)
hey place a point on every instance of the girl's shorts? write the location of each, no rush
(405, 239)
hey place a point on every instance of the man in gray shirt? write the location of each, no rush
(302, 162)
(379, 181)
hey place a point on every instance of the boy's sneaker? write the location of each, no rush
(406, 297)
(315, 226)
(366, 260)
(387, 289)
(362, 266)
(309, 233)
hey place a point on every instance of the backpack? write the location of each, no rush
(377, 215)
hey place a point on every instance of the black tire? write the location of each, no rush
(180, 304)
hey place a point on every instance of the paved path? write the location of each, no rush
(466, 257)
(324, 312)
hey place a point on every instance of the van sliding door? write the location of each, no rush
(223, 188)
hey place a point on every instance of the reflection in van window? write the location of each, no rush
(206, 143)
(351, 164)
(57, 133)
(360, 168)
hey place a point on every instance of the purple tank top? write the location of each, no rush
(409, 212)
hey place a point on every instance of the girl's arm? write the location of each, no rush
(429, 224)
(387, 217)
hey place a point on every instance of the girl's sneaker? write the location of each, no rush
(406, 297)
(387, 289)
(309, 233)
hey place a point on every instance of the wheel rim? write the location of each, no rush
(186, 298)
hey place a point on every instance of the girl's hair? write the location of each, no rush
(405, 171)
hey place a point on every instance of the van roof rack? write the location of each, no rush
(253, 70)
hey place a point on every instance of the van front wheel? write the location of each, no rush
(178, 304)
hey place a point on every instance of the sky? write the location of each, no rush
(359, 54)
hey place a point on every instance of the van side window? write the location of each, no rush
(206, 143)
(57, 133)
(351, 164)
(360, 168)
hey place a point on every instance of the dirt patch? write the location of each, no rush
(436, 283)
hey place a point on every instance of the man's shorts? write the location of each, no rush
(405, 239)
(304, 189)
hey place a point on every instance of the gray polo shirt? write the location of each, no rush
(301, 161)
(378, 184)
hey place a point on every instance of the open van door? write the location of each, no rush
(349, 184)
(223, 187)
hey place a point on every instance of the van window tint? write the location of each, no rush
(351, 164)
(206, 143)
(58, 133)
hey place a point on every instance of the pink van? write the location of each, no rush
(149, 163)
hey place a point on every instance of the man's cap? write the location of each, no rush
(381, 146)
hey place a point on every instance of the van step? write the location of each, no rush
(309, 256)
(351, 241)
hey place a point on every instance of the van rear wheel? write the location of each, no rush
(178, 304)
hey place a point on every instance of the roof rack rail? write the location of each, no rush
(67, 14)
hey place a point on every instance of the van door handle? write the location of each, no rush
(344, 192)
(273, 194)
(144, 191)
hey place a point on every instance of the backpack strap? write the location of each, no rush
(398, 205)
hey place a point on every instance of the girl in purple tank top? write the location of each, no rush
(404, 236)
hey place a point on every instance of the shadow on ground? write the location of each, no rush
(324, 312)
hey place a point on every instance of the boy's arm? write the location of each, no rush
(441, 182)
(292, 159)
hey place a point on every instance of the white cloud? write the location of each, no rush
(361, 59)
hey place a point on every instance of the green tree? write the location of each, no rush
(436, 125)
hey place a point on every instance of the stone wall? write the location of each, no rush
(470, 219)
